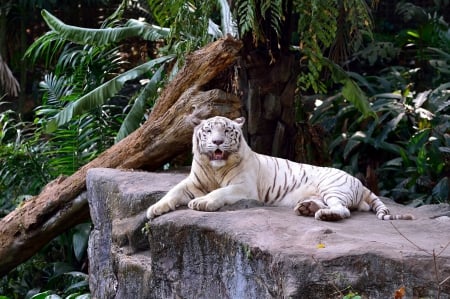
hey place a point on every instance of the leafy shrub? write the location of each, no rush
(83, 112)
(408, 142)
(41, 276)
(22, 163)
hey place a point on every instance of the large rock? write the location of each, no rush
(252, 251)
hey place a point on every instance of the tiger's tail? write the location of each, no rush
(383, 212)
(383, 216)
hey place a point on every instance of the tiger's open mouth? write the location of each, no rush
(218, 155)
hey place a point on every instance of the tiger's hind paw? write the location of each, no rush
(307, 208)
(332, 214)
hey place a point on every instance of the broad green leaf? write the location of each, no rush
(133, 28)
(441, 189)
(362, 81)
(101, 94)
(134, 117)
(418, 140)
(350, 90)
(397, 162)
(77, 286)
(80, 240)
(356, 96)
(46, 295)
(351, 144)
(390, 126)
(439, 98)
(393, 148)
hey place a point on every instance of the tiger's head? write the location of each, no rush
(218, 140)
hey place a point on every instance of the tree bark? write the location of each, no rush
(268, 89)
(166, 134)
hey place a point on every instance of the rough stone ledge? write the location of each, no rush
(252, 251)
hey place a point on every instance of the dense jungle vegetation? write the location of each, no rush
(375, 78)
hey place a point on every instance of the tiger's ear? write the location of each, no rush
(239, 121)
(194, 121)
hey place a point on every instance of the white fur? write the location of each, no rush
(310, 190)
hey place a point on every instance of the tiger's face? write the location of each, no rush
(218, 138)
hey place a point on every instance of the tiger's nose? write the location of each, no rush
(217, 141)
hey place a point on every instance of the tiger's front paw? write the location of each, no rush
(204, 204)
(158, 209)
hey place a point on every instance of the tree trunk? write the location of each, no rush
(166, 134)
(268, 88)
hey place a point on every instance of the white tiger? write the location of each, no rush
(225, 170)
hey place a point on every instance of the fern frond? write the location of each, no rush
(164, 11)
(274, 10)
(55, 88)
(317, 28)
(246, 11)
(360, 23)
(335, 26)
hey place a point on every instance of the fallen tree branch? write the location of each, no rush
(166, 134)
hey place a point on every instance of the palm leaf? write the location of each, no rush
(101, 94)
(356, 96)
(55, 87)
(105, 36)
(134, 117)
(48, 46)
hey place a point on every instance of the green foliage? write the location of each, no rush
(334, 26)
(102, 93)
(39, 278)
(134, 116)
(79, 139)
(191, 23)
(350, 90)
(22, 164)
(70, 285)
(250, 12)
(401, 127)
(352, 295)
(317, 27)
(83, 111)
(246, 12)
(104, 36)
(409, 140)
(381, 52)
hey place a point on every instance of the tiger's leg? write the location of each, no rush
(220, 197)
(309, 206)
(336, 211)
(179, 195)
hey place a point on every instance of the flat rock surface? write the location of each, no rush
(254, 251)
